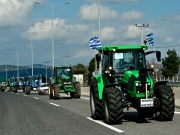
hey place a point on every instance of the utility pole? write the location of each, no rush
(99, 27)
(142, 31)
(65, 59)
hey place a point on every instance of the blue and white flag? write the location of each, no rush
(150, 39)
(95, 43)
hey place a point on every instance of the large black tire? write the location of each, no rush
(15, 89)
(2, 90)
(77, 87)
(50, 92)
(56, 91)
(113, 105)
(27, 90)
(23, 88)
(96, 105)
(167, 103)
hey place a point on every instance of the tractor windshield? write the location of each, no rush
(64, 71)
(128, 60)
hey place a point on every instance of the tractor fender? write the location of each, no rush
(110, 85)
(160, 83)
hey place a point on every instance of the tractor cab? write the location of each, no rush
(63, 71)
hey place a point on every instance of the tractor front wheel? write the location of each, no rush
(50, 92)
(95, 103)
(113, 105)
(77, 94)
(27, 90)
(15, 89)
(165, 111)
(55, 91)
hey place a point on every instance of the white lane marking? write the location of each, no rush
(177, 112)
(25, 95)
(35, 97)
(106, 125)
(84, 98)
(54, 104)
(17, 93)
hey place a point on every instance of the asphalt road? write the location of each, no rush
(38, 115)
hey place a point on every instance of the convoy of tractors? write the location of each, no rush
(123, 80)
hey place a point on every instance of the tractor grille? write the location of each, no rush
(67, 81)
(142, 89)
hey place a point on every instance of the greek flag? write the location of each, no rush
(150, 39)
(95, 43)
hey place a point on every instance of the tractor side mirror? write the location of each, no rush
(98, 57)
(158, 56)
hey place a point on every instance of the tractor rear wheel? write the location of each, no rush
(95, 103)
(77, 86)
(166, 109)
(27, 90)
(56, 91)
(113, 105)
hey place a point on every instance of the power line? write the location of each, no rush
(167, 46)
(151, 22)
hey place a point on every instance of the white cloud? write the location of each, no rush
(90, 12)
(169, 39)
(70, 34)
(83, 53)
(131, 15)
(107, 33)
(14, 12)
(133, 32)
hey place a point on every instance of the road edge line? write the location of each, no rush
(54, 104)
(106, 125)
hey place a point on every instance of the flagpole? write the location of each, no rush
(99, 25)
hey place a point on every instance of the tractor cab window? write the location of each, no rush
(63, 71)
(128, 60)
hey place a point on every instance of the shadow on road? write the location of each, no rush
(134, 117)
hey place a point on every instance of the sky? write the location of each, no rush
(75, 23)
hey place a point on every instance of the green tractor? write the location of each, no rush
(63, 82)
(3, 84)
(10, 85)
(124, 80)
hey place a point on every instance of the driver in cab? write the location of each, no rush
(123, 64)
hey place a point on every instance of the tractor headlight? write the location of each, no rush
(67, 82)
(148, 83)
(138, 84)
(110, 67)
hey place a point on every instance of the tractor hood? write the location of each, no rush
(65, 77)
(128, 74)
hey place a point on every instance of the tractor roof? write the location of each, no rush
(123, 47)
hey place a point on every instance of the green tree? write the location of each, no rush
(79, 69)
(171, 64)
